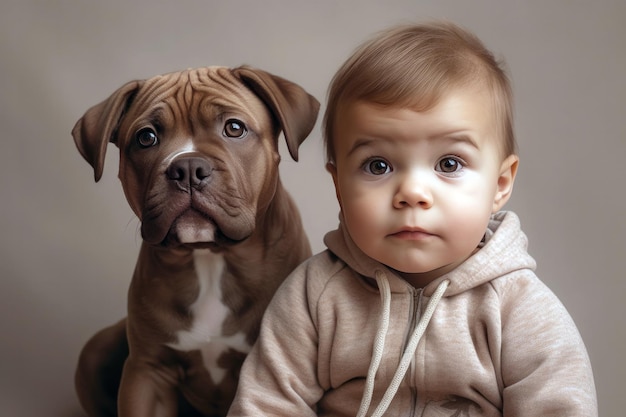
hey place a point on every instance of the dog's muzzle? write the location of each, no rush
(195, 202)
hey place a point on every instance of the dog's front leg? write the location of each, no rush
(99, 370)
(147, 390)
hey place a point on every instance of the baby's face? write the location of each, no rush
(417, 188)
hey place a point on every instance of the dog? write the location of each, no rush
(199, 156)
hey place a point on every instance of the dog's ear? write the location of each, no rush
(295, 109)
(99, 124)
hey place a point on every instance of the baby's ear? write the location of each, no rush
(508, 170)
(332, 169)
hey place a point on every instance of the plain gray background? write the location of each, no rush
(69, 245)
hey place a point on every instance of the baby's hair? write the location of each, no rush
(413, 66)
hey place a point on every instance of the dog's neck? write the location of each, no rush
(280, 218)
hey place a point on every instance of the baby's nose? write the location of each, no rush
(414, 192)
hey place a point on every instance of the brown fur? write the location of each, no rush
(222, 194)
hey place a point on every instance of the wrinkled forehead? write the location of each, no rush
(196, 95)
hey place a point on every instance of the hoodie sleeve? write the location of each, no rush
(545, 366)
(279, 376)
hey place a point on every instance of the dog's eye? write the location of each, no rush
(146, 137)
(235, 128)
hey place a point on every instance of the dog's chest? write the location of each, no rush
(209, 313)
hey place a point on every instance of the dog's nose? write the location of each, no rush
(189, 172)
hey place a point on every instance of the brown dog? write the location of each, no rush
(199, 166)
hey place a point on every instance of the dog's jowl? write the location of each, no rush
(199, 167)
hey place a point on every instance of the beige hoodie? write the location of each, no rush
(498, 344)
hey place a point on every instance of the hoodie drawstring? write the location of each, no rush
(379, 343)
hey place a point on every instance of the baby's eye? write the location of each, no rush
(376, 166)
(449, 165)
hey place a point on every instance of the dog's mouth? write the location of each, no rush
(196, 229)
(215, 216)
(193, 227)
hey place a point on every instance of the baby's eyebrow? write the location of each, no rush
(458, 137)
(450, 137)
(360, 143)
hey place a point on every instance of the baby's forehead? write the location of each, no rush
(467, 111)
(470, 96)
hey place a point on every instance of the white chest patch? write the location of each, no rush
(209, 313)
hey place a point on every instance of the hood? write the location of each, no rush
(502, 251)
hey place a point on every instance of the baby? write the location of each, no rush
(425, 302)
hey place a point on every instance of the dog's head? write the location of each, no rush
(198, 149)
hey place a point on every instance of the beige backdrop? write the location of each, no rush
(69, 245)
